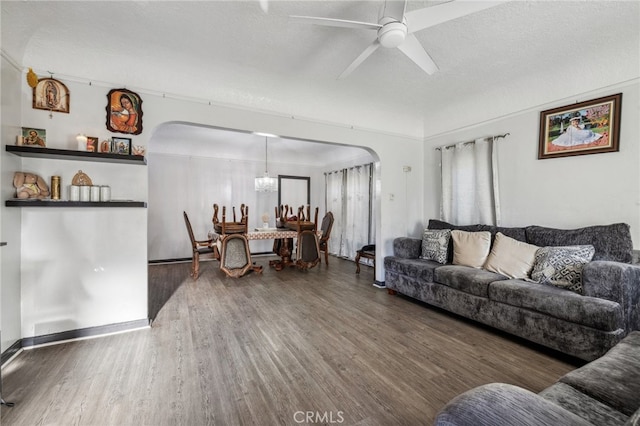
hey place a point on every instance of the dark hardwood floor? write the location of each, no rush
(280, 348)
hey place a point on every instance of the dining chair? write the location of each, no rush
(323, 242)
(307, 249)
(199, 248)
(225, 227)
(235, 260)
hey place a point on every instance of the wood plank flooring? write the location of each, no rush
(281, 348)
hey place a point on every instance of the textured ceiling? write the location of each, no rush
(233, 53)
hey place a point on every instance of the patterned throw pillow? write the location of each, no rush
(562, 266)
(435, 243)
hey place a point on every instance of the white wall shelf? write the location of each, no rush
(68, 154)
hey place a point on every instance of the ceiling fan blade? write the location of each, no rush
(414, 51)
(364, 55)
(343, 23)
(430, 16)
(394, 9)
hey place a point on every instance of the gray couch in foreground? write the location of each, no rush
(582, 325)
(604, 392)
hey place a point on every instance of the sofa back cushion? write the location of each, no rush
(611, 242)
(470, 248)
(515, 233)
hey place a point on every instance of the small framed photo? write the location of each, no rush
(589, 127)
(92, 144)
(105, 146)
(121, 146)
(52, 95)
(33, 137)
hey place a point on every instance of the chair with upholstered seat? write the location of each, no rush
(235, 258)
(199, 248)
(323, 242)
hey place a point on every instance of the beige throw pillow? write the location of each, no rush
(510, 257)
(470, 248)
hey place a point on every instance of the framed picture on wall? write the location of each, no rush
(124, 112)
(52, 95)
(121, 146)
(589, 127)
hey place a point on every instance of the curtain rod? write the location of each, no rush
(439, 148)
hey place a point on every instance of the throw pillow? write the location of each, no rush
(470, 248)
(562, 266)
(435, 243)
(510, 257)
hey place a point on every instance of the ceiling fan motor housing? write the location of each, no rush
(392, 33)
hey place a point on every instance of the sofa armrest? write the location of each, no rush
(618, 282)
(502, 404)
(407, 247)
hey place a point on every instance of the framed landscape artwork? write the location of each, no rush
(589, 127)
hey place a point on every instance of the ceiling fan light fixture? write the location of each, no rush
(392, 34)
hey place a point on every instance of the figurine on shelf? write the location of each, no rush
(30, 185)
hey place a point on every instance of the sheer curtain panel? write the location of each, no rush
(469, 185)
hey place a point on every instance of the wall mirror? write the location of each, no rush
(294, 191)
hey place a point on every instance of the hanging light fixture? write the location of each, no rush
(265, 183)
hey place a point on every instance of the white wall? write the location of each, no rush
(568, 192)
(10, 218)
(193, 183)
(89, 267)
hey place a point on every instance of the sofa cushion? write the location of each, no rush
(464, 278)
(611, 242)
(613, 379)
(510, 257)
(435, 244)
(515, 233)
(566, 305)
(414, 268)
(562, 266)
(470, 248)
(582, 405)
(407, 247)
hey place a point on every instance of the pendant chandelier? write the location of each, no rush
(265, 183)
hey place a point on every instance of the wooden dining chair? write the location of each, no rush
(307, 248)
(235, 259)
(323, 242)
(224, 226)
(199, 248)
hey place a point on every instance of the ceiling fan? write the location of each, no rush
(395, 28)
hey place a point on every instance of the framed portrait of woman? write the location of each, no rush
(124, 112)
(52, 95)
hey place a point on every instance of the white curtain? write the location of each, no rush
(469, 183)
(334, 203)
(349, 199)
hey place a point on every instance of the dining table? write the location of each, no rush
(283, 243)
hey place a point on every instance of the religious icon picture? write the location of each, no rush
(121, 146)
(92, 144)
(52, 95)
(33, 137)
(124, 112)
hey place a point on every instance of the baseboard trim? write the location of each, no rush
(84, 333)
(10, 352)
(379, 284)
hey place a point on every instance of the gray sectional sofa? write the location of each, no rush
(603, 392)
(583, 325)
